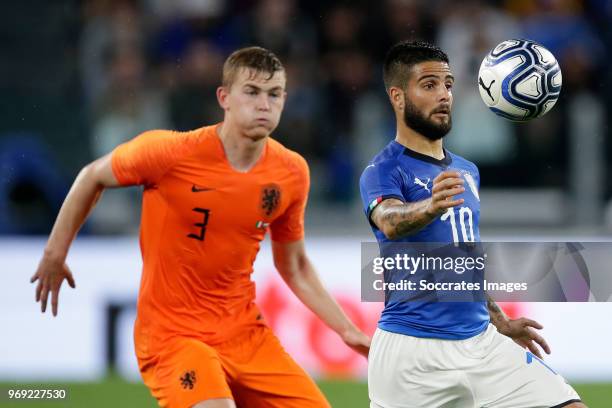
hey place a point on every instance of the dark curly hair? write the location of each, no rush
(403, 56)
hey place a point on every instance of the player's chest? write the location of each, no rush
(456, 224)
(418, 185)
(249, 202)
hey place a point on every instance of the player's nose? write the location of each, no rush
(444, 94)
(263, 102)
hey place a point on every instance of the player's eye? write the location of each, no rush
(275, 94)
(251, 92)
(449, 85)
(429, 85)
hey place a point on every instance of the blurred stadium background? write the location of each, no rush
(80, 77)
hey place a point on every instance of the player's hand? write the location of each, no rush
(445, 186)
(358, 341)
(50, 276)
(523, 333)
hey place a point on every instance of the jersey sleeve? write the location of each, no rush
(146, 158)
(379, 182)
(289, 226)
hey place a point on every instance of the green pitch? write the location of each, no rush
(115, 392)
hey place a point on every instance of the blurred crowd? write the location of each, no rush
(125, 66)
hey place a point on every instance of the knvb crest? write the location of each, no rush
(188, 380)
(270, 198)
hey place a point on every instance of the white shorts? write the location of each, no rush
(487, 370)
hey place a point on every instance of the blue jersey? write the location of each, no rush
(398, 172)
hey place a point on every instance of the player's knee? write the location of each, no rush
(216, 403)
(576, 405)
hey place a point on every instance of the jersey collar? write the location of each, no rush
(423, 157)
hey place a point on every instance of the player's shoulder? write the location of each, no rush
(462, 162)
(389, 155)
(281, 155)
(172, 138)
(386, 161)
(162, 145)
(205, 134)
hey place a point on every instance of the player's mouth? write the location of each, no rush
(441, 112)
(445, 111)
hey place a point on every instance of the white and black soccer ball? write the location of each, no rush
(519, 80)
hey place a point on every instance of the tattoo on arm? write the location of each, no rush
(397, 219)
(492, 306)
(496, 313)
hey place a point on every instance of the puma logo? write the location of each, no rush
(488, 89)
(418, 182)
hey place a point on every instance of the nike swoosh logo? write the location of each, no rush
(196, 189)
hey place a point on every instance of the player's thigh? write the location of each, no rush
(187, 372)
(509, 376)
(271, 378)
(405, 371)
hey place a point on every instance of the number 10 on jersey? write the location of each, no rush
(465, 222)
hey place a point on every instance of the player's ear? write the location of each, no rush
(396, 96)
(222, 94)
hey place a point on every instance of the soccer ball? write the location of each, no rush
(519, 80)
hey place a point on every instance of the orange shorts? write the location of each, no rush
(253, 369)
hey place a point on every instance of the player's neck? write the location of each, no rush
(419, 143)
(241, 151)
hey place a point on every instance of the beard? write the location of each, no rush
(422, 124)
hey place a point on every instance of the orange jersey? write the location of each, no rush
(201, 227)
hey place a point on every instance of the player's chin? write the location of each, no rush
(260, 130)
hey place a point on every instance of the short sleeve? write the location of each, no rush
(379, 182)
(146, 158)
(289, 226)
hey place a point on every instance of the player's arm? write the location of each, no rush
(298, 272)
(84, 193)
(397, 219)
(520, 330)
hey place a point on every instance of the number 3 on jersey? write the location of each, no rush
(465, 221)
(201, 225)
